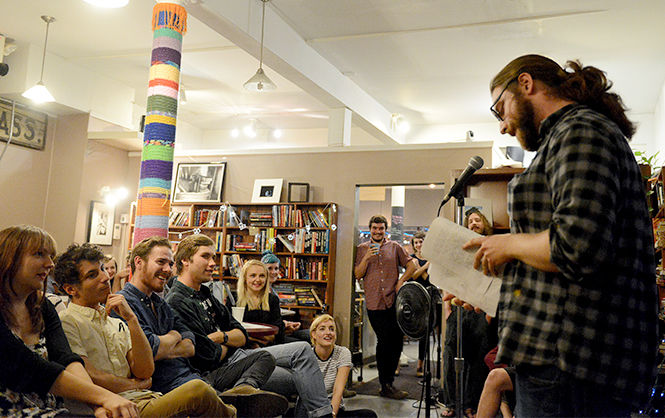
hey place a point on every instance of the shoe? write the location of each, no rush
(447, 411)
(253, 402)
(419, 372)
(349, 393)
(389, 391)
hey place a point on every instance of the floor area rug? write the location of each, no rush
(406, 380)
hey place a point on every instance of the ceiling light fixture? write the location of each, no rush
(399, 124)
(260, 81)
(250, 129)
(108, 4)
(277, 133)
(38, 93)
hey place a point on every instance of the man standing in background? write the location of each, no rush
(378, 261)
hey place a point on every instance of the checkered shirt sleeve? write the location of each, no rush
(597, 318)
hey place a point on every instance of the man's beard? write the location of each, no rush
(526, 132)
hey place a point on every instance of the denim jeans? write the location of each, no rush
(252, 369)
(297, 372)
(546, 391)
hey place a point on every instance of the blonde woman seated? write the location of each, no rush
(37, 365)
(335, 364)
(259, 303)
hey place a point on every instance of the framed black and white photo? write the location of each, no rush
(199, 182)
(267, 190)
(100, 228)
(298, 192)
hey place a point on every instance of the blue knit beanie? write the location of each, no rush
(269, 257)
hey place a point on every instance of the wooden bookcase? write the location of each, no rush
(311, 228)
(655, 189)
(492, 184)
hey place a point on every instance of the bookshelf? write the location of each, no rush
(655, 192)
(302, 235)
(492, 184)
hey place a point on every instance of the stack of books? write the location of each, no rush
(260, 219)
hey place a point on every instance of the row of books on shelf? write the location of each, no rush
(304, 269)
(264, 240)
(280, 216)
(312, 242)
(179, 218)
(294, 269)
(299, 295)
(233, 264)
(210, 218)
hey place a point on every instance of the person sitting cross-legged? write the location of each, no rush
(335, 365)
(173, 343)
(220, 338)
(117, 355)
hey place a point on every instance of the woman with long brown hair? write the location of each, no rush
(37, 365)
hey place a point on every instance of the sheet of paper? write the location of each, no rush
(451, 268)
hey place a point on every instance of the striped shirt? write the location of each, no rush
(597, 318)
(340, 357)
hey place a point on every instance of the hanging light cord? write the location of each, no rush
(263, 23)
(41, 76)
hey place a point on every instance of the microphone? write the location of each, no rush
(474, 164)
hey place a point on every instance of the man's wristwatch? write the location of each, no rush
(226, 338)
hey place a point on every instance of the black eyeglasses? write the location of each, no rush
(492, 109)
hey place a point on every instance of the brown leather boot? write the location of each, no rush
(389, 391)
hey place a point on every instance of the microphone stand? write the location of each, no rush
(459, 360)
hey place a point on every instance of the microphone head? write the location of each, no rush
(476, 162)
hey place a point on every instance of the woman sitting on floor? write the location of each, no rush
(335, 364)
(260, 304)
(37, 364)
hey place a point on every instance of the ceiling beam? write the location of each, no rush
(289, 55)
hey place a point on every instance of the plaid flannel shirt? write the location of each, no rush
(597, 318)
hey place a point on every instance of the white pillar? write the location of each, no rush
(339, 127)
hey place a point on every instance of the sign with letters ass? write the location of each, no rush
(29, 126)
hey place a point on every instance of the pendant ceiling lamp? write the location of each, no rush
(38, 93)
(260, 81)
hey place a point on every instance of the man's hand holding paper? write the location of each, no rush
(450, 249)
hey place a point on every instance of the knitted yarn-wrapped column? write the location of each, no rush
(169, 23)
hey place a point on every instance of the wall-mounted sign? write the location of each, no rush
(29, 126)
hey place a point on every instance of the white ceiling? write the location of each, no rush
(430, 60)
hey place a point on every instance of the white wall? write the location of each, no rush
(658, 143)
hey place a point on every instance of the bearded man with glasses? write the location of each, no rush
(578, 306)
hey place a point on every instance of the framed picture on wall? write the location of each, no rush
(199, 182)
(100, 228)
(298, 192)
(267, 190)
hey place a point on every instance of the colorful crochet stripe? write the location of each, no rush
(169, 23)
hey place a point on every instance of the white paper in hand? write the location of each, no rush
(451, 267)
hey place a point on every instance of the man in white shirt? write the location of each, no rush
(117, 354)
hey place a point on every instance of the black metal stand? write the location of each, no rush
(459, 360)
(427, 370)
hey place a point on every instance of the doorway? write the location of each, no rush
(408, 208)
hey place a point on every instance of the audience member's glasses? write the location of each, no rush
(492, 108)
